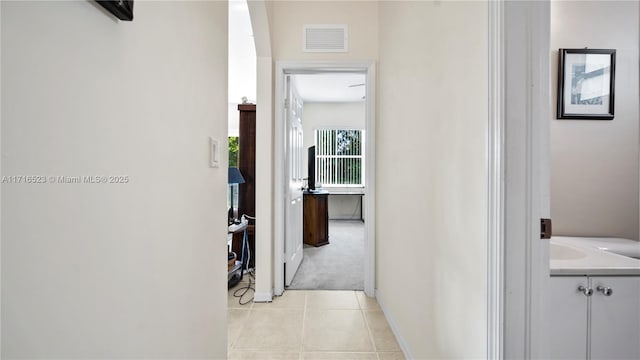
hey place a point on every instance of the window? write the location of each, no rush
(233, 162)
(339, 157)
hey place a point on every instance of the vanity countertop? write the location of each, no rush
(581, 256)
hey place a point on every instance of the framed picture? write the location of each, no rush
(122, 9)
(586, 83)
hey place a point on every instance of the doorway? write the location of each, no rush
(332, 108)
(285, 248)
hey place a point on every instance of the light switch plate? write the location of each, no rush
(214, 152)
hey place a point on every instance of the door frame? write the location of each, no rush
(518, 176)
(317, 67)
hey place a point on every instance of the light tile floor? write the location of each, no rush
(310, 325)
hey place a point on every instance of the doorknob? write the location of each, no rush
(585, 291)
(606, 291)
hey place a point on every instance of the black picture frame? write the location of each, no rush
(122, 9)
(586, 84)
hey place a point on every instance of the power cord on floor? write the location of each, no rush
(242, 291)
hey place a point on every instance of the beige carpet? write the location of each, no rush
(336, 266)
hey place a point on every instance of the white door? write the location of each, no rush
(293, 177)
(525, 113)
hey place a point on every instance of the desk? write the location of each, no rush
(236, 244)
(236, 273)
(351, 193)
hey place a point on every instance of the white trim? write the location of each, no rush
(540, 206)
(258, 14)
(264, 146)
(1, 174)
(278, 183)
(526, 108)
(394, 327)
(264, 179)
(314, 67)
(495, 190)
(263, 296)
(370, 181)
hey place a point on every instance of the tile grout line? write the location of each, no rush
(242, 326)
(366, 321)
(304, 320)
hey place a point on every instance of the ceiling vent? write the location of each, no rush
(325, 38)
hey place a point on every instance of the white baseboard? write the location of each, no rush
(263, 296)
(394, 327)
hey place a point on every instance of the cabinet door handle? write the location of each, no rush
(606, 291)
(585, 291)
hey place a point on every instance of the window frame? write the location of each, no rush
(361, 156)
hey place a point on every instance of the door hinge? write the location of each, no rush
(286, 104)
(545, 228)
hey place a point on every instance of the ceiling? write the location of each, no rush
(331, 87)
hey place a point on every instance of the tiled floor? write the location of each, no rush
(310, 325)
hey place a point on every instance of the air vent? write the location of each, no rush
(325, 38)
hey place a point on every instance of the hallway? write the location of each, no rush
(310, 325)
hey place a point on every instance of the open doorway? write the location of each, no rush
(334, 104)
(241, 151)
(332, 113)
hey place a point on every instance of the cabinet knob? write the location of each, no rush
(585, 291)
(606, 291)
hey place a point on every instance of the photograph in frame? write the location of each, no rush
(586, 79)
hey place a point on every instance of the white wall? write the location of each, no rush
(129, 270)
(431, 221)
(330, 116)
(594, 164)
(288, 17)
(258, 10)
(334, 116)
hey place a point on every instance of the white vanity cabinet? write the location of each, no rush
(594, 317)
(615, 319)
(568, 317)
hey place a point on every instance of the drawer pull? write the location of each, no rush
(606, 291)
(585, 291)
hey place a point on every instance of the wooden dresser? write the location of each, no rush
(247, 166)
(316, 218)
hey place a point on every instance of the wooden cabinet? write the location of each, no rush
(316, 218)
(589, 324)
(247, 166)
(247, 160)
